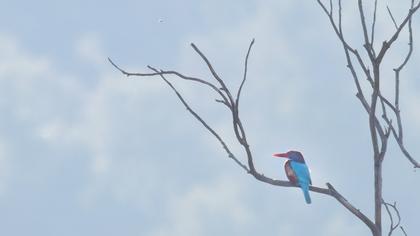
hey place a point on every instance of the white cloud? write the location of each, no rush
(36, 104)
(35, 90)
(198, 210)
(90, 49)
(15, 61)
(58, 112)
(52, 131)
(338, 224)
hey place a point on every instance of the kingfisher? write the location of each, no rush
(297, 171)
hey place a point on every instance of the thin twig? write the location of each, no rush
(367, 45)
(245, 74)
(213, 72)
(387, 44)
(393, 225)
(392, 17)
(331, 8)
(372, 36)
(339, 32)
(201, 81)
(402, 229)
(363, 21)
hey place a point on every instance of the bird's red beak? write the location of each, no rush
(281, 155)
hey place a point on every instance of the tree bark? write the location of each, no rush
(377, 155)
(378, 197)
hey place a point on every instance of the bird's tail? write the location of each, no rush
(305, 190)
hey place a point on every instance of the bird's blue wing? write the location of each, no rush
(303, 177)
(302, 172)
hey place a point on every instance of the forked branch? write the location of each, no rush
(387, 44)
(395, 223)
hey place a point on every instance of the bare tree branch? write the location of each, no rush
(379, 134)
(387, 44)
(372, 34)
(237, 124)
(215, 134)
(402, 229)
(398, 135)
(213, 72)
(331, 191)
(352, 209)
(363, 21)
(339, 32)
(394, 225)
(347, 49)
(368, 44)
(331, 8)
(201, 81)
(245, 74)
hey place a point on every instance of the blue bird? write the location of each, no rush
(297, 171)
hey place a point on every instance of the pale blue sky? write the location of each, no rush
(85, 151)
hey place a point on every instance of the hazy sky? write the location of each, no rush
(85, 151)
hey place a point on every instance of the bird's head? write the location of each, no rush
(292, 155)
